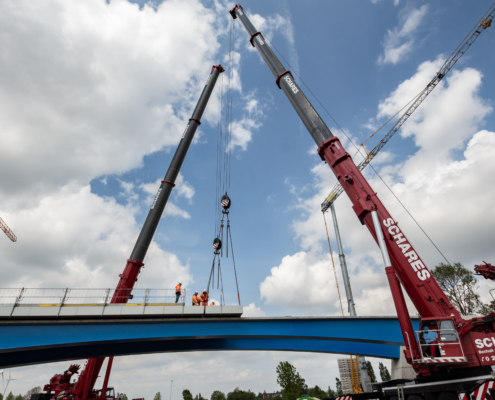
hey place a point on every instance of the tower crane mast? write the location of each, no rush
(482, 24)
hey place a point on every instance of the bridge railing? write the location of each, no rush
(60, 297)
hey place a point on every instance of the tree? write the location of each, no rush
(19, 397)
(290, 381)
(35, 390)
(187, 395)
(384, 374)
(238, 394)
(338, 386)
(217, 395)
(371, 372)
(199, 397)
(10, 396)
(317, 392)
(460, 286)
(121, 396)
(158, 396)
(1, 396)
(331, 392)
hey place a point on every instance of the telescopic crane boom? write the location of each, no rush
(84, 387)
(403, 265)
(484, 23)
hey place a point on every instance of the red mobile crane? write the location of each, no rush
(60, 387)
(450, 355)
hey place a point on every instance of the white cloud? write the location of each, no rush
(75, 238)
(399, 41)
(253, 311)
(86, 95)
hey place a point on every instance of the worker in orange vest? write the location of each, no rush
(177, 292)
(204, 298)
(212, 303)
(195, 299)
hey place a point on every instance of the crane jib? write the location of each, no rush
(318, 130)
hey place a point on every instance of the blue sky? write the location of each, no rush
(95, 97)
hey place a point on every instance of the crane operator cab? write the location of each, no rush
(110, 393)
(439, 341)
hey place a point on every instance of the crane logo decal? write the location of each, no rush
(291, 84)
(408, 251)
(156, 198)
(486, 342)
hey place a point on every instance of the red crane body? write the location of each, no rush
(462, 344)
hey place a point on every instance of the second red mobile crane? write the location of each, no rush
(450, 354)
(60, 386)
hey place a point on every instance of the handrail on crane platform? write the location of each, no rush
(68, 297)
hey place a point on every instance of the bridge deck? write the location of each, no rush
(31, 341)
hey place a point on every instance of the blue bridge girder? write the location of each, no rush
(43, 341)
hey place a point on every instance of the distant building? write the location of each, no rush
(271, 395)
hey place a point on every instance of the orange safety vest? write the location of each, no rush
(204, 299)
(177, 289)
(212, 303)
(195, 300)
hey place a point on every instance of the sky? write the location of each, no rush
(95, 95)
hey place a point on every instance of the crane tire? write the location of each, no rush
(448, 396)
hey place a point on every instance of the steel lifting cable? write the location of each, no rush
(223, 177)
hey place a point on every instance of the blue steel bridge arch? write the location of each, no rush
(33, 342)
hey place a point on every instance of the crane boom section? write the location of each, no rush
(446, 67)
(285, 81)
(424, 291)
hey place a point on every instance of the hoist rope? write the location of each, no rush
(358, 149)
(333, 263)
(233, 261)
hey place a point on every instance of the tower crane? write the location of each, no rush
(7, 230)
(450, 355)
(482, 24)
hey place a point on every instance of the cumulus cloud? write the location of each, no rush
(75, 238)
(399, 42)
(253, 311)
(84, 93)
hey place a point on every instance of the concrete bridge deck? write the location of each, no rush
(32, 341)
